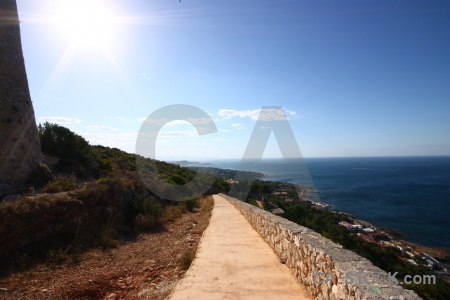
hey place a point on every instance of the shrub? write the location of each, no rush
(41, 175)
(23, 260)
(57, 256)
(173, 212)
(190, 204)
(60, 184)
(107, 237)
(207, 203)
(186, 259)
(147, 212)
(72, 150)
(146, 222)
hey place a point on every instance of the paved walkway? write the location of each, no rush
(234, 262)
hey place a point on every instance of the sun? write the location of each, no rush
(86, 23)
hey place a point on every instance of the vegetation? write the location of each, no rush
(60, 184)
(327, 224)
(72, 151)
(95, 197)
(230, 174)
(186, 259)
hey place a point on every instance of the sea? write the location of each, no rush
(410, 194)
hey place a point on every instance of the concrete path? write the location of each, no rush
(234, 262)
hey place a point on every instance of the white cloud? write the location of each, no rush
(177, 122)
(238, 126)
(272, 114)
(290, 112)
(101, 128)
(267, 114)
(231, 113)
(60, 120)
(170, 122)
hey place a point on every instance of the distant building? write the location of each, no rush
(403, 247)
(368, 230)
(231, 181)
(357, 227)
(410, 254)
(348, 226)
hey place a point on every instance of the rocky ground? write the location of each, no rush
(147, 267)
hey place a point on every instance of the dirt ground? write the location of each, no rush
(147, 267)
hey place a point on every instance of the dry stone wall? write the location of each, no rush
(20, 150)
(324, 267)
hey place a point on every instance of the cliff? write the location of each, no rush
(19, 141)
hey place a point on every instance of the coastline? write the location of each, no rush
(442, 254)
(309, 193)
(408, 194)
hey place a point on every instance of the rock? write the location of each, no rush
(112, 296)
(144, 292)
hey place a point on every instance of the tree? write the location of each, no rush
(72, 150)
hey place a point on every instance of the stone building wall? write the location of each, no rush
(19, 141)
(307, 253)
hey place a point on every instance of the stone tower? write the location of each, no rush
(20, 150)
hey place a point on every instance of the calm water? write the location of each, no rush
(411, 194)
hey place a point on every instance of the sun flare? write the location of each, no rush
(87, 23)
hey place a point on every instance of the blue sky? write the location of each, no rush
(356, 78)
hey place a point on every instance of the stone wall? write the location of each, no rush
(19, 141)
(307, 253)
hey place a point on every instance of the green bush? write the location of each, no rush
(41, 176)
(73, 151)
(60, 184)
(190, 204)
(147, 212)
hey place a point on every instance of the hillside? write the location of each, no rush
(87, 196)
(146, 266)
